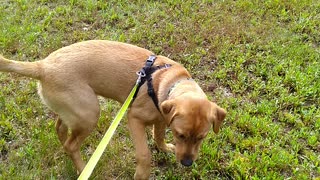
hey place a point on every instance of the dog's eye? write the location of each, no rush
(200, 138)
(181, 137)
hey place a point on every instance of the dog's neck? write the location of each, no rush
(185, 87)
(182, 86)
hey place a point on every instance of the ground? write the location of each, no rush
(260, 60)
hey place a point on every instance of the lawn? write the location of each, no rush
(260, 60)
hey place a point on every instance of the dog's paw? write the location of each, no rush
(167, 147)
(171, 147)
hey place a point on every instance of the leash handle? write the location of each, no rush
(85, 174)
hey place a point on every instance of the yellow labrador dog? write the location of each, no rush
(71, 78)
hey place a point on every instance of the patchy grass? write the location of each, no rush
(258, 59)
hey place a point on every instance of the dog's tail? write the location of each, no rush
(29, 69)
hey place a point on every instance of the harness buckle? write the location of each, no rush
(150, 60)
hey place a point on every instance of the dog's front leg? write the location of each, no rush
(143, 155)
(159, 137)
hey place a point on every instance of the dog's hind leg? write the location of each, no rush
(72, 147)
(62, 131)
(82, 118)
(78, 110)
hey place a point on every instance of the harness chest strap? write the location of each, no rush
(145, 74)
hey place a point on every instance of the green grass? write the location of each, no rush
(260, 60)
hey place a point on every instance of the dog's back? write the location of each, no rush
(86, 62)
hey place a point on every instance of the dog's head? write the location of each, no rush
(190, 120)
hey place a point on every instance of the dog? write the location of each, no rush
(71, 78)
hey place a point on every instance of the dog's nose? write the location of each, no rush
(186, 162)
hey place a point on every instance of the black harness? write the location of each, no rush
(145, 74)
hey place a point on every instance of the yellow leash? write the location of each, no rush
(85, 174)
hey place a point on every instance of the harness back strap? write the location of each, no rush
(145, 74)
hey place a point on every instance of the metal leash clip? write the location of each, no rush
(141, 74)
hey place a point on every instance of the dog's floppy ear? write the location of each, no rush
(168, 110)
(219, 115)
